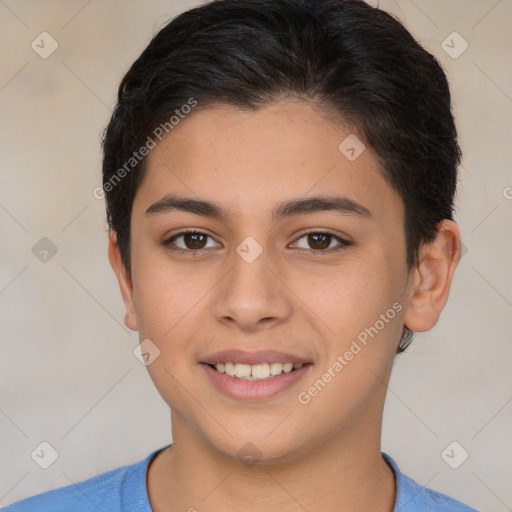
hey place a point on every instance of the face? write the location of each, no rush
(312, 283)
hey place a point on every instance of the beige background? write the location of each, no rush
(68, 375)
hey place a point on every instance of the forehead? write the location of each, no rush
(248, 160)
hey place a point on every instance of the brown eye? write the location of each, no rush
(194, 241)
(320, 241)
(190, 241)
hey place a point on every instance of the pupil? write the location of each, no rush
(195, 241)
(323, 245)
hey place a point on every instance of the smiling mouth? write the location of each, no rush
(263, 371)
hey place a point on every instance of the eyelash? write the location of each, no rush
(342, 242)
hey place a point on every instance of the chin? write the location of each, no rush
(258, 449)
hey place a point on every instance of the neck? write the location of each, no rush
(344, 472)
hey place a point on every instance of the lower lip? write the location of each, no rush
(254, 390)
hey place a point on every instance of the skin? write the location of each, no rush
(324, 455)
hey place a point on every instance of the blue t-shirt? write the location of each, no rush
(124, 490)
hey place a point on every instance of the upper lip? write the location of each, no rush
(259, 357)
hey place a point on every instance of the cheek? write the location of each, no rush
(363, 312)
(364, 309)
(173, 305)
(350, 296)
(168, 306)
(163, 293)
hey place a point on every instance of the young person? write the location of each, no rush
(279, 178)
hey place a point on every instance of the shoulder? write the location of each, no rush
(106, 491)
(412, 497)
(86, 495)
(99, 492)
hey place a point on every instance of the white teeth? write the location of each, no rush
(261, 371)
(276, 368)
(256, 371)
(229, 368)
(287, 367)
(242, 370)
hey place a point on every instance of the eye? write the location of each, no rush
(320, 242)
(192, 241)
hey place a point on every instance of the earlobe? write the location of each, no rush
(124, 280)
(432, 277)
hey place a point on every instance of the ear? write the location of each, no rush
(432, 277)
(124, 280)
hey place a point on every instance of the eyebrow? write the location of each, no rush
(302, 206)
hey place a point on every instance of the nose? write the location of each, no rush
(252, 295)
